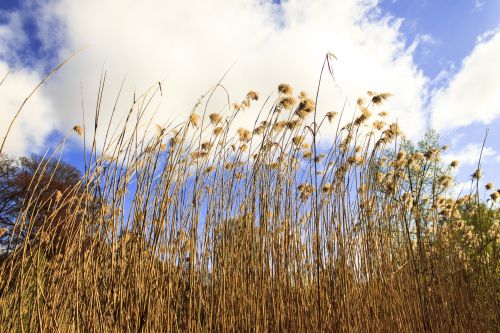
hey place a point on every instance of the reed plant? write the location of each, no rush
(205, 226)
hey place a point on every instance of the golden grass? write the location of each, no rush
(199, 228)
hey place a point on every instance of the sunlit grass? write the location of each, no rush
(207, 227)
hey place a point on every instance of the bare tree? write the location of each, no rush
(30, 189)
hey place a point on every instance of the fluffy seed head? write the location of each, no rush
(378, 125)
(330, 116)
(305, 191)
(445, 180)
(278, 126)
(360, 120)
(215, 118)
(285, 89)
(194, 119)
(244, 134)
(252, 95)
(366, 112)
(430, 154)
(327, 188)
(159, 129)
(210, 169)
(301, 114)
(293, 124)
(380, 176)
(245, 104)
(195, 155)
(206, 145)
(217, 130)
(259, 130)
(78, 130)
(306, 105)
(175, 140)
(57, 196)
(298, 140)
(287, 102)
(319, 158)
(380, 98)
(401, 155)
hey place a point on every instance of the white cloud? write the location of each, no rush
(37, 119)
(11, 33)
(469, 155)
(472, 95)
(478, 4)
(460, 189)
(487, 35)
(191, 44)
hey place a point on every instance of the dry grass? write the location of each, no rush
(254, 230)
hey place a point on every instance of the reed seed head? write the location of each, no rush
(297, 140)
(78, 130)
(244, 134)
(361, 102)
(330, 116)
(57, 196)
(215, 118)
(285, 89)
(217, 131)
(380, 98)
(194, 120)
(252, 96)
(287, 102)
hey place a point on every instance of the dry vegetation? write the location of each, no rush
(201, 227)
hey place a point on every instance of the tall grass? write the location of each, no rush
(206, 227)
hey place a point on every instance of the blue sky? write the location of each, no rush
(452, 28)
(452, 25)
(423, 50)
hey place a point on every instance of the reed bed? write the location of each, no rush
(204, 227)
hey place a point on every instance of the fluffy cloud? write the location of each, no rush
(469, 155)
(35, 122)
(190, 45)
(11, 31)
(472, 95)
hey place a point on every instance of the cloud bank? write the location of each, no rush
(472, 94)
(189, 45)
(470, 154)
